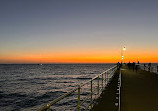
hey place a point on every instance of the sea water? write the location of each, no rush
(27, 87)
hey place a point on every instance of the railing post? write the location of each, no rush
(151, 69)
(102, 81)
(79, 98)
(48, 106)
(91, 94)
(106, 78)
(98, 85)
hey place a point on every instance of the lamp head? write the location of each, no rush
(124, 48)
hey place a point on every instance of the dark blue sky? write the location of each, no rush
(35, 26)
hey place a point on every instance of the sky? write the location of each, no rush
(78, 31)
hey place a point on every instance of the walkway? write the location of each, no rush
(139, 92)
(107, 100)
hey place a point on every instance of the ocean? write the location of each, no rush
(27, 87)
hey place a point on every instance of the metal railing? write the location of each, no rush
(94, 88)
(119, 88)
(118, 93)
(145, 67)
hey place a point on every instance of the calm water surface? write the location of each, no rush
(28, 87)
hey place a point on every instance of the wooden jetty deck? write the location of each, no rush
(139, 92)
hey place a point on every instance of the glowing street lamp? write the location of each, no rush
(122, 49)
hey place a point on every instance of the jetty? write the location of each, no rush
(138, 92)
(116, 89)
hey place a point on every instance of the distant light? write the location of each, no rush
(124, 48)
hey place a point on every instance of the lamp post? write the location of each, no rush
(122, 49)
(138, 60)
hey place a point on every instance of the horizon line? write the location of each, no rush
(70, 63)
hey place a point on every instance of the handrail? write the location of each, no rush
(56, 100)
(97, 76)
(47, 106)
(153, 69)
(120, 83)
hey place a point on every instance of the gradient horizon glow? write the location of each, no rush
(78, 31)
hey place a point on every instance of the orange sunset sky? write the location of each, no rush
(95, 56)
(80, 31)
